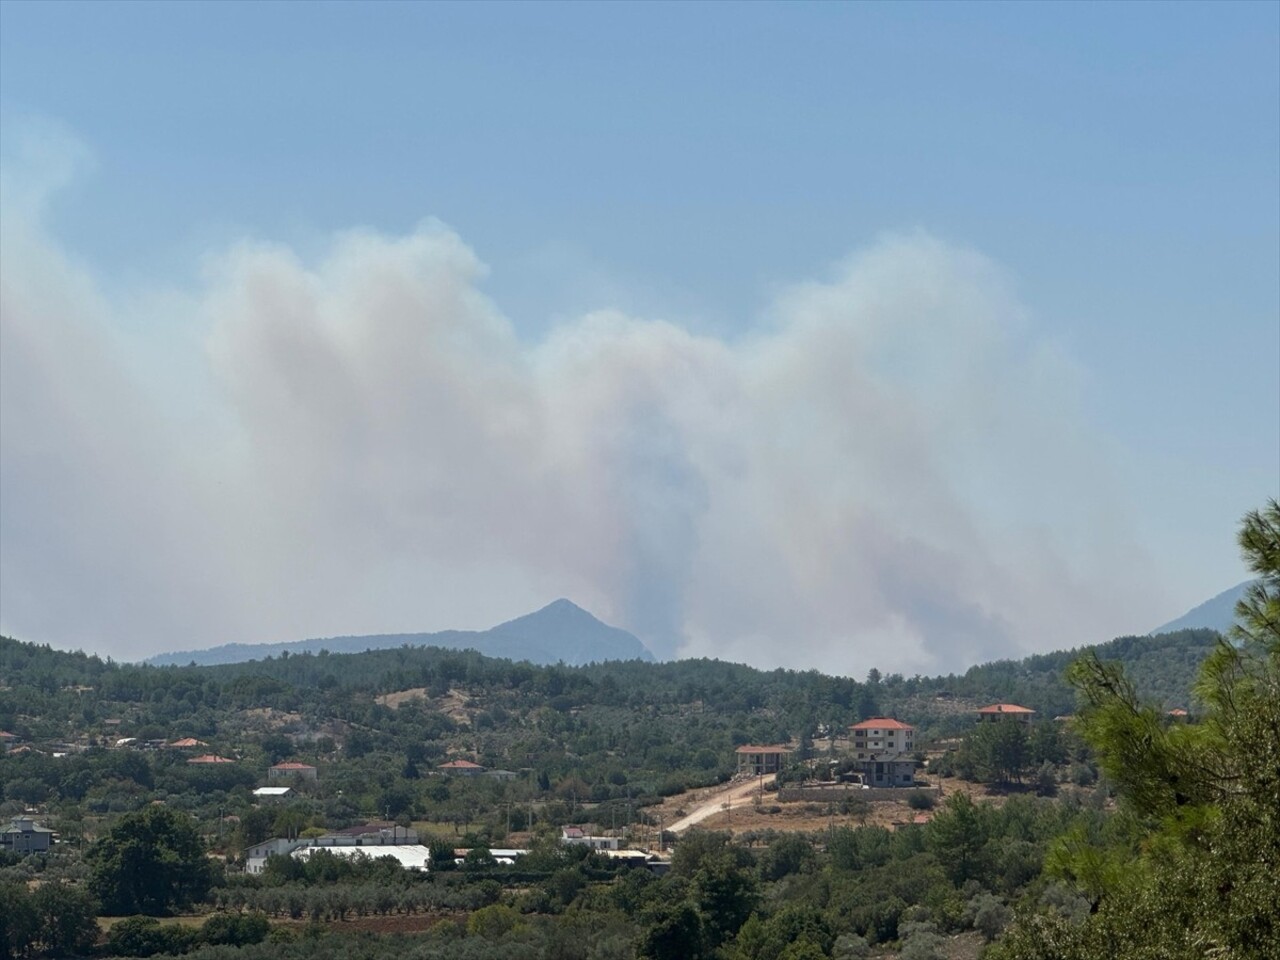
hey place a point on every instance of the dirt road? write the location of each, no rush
(739, 794)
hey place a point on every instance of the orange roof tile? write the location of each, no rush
(879, 723)
(1005, 708)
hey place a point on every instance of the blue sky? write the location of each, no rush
(1104, 178)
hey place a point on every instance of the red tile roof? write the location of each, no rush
(210, 758)
(188, 742)
(882, 723)
(293, 765)
(460, 765)
(1005, 708)
(6, 735)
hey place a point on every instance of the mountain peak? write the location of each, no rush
(561, 632)
(1217, 613)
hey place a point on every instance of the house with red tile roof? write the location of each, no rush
(461, 768)
(187, 743)
(291, 768)
(1005, 711)
(882, 747)
(210, 758)
(881, 735)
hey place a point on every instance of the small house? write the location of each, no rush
(272, 793)
(461, 768)
(284, 771)
(881, 735)
(757, 761)
(887, 770)
(25, 836)
(1005, 711)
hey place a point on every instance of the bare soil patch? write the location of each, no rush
(756, 810)
(453, 704)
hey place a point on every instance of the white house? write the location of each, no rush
(576, 836)
(881, 735)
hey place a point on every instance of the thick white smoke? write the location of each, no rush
(891, 469)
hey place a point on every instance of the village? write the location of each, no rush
(876, 773)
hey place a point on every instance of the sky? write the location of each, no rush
(802, 335)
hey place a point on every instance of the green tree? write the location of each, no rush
(145, 937)
(151, 862)
(674, 932)
(66, 916)
(996, 752)
(787, 853)
(725, 894)
(19, 923)
(1197, 874)
(957, 835)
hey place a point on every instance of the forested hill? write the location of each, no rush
(1162, 667)
(37, 681)
(560, 632)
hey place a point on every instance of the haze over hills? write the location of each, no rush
(561, 632)
(1218, 613)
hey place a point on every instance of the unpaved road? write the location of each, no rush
(735, 795)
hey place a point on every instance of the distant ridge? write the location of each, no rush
(1218, 613)
(561, 632)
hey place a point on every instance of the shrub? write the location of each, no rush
(236, 930)
(919, 800)
(145, 937)
(850, 946)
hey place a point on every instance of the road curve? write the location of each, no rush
(736, 795)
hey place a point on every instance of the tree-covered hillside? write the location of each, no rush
(595, 744)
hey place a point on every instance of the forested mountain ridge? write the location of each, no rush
(595, 744)
(560, 632)
(40, 682)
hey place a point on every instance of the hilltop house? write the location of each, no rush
(25, 836)
(882, 749)
(210, 758)
(290, 768)
(1005, 711)
(881, 735)
(756, 761)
